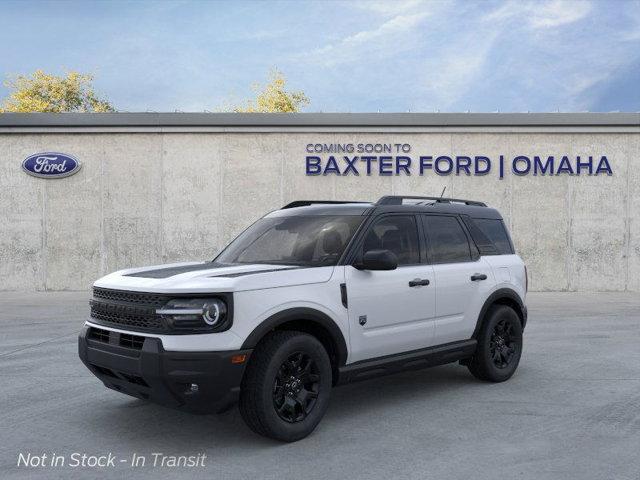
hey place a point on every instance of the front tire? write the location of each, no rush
(286, 387)
(499, 345)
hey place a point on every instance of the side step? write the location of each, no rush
(414, 360)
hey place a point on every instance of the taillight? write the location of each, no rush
(526, 279)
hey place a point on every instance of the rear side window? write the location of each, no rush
(447, 240)
(496, 232)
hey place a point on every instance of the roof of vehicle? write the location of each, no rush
(318, 208)
(389, 204)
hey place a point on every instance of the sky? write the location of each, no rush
(351, 56)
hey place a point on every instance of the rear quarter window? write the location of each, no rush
(496, 232)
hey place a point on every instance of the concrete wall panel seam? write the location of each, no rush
(103, 259)
(282, 170)
(44, 237)
(628, 226)
(569, 206)
(163, 250)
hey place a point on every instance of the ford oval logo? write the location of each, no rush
(51, 165)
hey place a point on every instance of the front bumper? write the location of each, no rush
(139, 366)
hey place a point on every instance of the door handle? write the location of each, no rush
(419, 282)
(478, 276)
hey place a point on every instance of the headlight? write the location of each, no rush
(195, 314)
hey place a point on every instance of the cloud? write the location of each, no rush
(542, 15)
(449, 75)
(558, 62)
(393, 36)
(510, 55)
(632, 14)
(387, 8)
(558, 12)
(454, 69)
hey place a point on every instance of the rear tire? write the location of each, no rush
(286, 387)
(499, 345)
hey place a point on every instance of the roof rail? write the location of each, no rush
(397, 200)
(306, 203)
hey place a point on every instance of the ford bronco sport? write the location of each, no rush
(313, 295)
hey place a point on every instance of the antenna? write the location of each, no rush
(442, 194)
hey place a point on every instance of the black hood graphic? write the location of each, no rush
(252, 272)
(167, 272)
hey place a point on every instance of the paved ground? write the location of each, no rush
(572, 411)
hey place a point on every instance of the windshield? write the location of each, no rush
(311, 241)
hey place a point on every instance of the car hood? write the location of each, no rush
(196, 277)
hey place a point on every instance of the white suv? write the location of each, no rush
(313, 295)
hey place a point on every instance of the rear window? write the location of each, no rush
(496, 232)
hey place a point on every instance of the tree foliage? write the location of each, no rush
(274, 98)
(42, 92)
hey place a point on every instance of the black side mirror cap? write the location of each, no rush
(377, 260)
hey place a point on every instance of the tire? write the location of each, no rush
(499, 345)
(286, 387)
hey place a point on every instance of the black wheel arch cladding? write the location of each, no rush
(308, 320)
(502, 296)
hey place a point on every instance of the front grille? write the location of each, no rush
(128, 310)
(136, 298)
(125, 316)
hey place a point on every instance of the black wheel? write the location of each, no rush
(286, 387)
(499, 345)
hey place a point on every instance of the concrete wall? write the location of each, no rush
(150, 198)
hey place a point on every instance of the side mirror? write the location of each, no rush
(378, 260)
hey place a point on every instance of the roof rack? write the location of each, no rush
(397, 200)
(306, 203)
